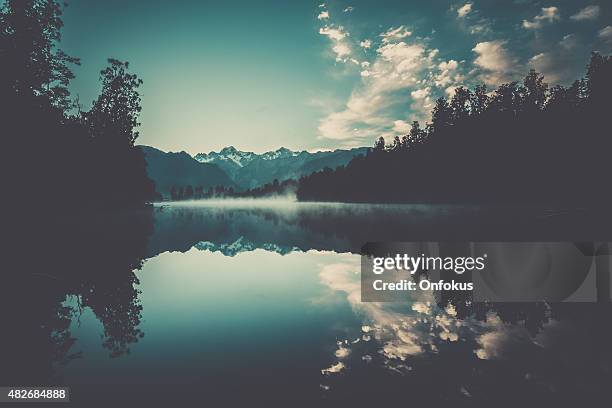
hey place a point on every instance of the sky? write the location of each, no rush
(309, 75)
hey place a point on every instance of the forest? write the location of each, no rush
(523, 143)
(82, 159)
(274, 189)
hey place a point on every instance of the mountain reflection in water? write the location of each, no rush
(265, 299)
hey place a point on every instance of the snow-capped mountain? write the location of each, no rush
(227, 154)
(248, 169)
(279, 154)
(232, 155)
(242, 245)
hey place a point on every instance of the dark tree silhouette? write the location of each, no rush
(188, 195)
(524, 143)
(32, 65)
(81, 160)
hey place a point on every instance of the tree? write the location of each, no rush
(32, 64)
(188, 192)
(397, 144)
(379, 145)
(506, 98)
(114, 115)
(535, 91)
(460, 104)
(220, 190)
(112, 123)
(199, 192)
(598, 81)
(441, 116)
(525, 143)
(479, 100)
(416, 135)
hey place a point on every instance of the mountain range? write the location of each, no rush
(180, 169)
(248, 169)
(234, 168)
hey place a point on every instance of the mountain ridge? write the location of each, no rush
(249, 169)
(238, 169)
(169, 169)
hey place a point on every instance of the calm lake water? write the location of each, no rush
(237, 302)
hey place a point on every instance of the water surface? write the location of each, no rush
(261, 301)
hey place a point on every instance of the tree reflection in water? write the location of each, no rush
(89, 259)
(67, 266)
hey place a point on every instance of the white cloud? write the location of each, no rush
(342, 50)
(464, 10)
(334, 34)
(448, 73)
(420, 93)
(349, 9)
(365, 44)
(587, 13)
(397, 84)
(400, 126)
(394, 34)
(471, 20)
(542, 61)
(333, 369)
(548, 15)
(606, 33)
(495, 60)
(369, 111)
(403, 57)
(340, 46)
(324, 15)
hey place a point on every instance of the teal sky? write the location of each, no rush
(263, 74)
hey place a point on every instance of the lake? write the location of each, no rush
(260, 301)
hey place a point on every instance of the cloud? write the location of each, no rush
(340, 46)
(495, 60)
(471, 20)
(394, 34)
(501, 341)
(333, 369)
(401, 126)
(558, 65)
(342, 50)
(392, 79)
(448, 73)
(569, 41)
(481, 27)
(334, 34)
(397, 85)
(606, 34)
(587, 13)
(349, 9)
(324, 15)
(365, 44)
(464, 10)
(548, 15)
